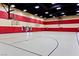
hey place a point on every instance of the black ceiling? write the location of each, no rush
(67, 8)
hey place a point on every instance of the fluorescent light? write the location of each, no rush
(36, 14)
(77, 11)
(58, 8)
(36, 7)
(46, 12)
(24, 10)
(52, 3)
(12, 6)
(50, 15)
(77, 4)
(62, 13)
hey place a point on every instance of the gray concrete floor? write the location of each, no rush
(39, 44)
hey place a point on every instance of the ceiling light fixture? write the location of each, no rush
(77, 4)
(36, 7)
(58, 8)
(12, 6)
(77, 11)
(46, 12)
(52, 3)
(36, 14)
(62, 13)
(24, 10)
(50, 15)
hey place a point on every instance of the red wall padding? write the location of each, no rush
(4, 29)
(4, 15)
(26, 19)
(8, 29)
(63, 29)
(37, 29)
(62, 22)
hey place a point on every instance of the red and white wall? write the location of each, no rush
(20, 19)
(67, 23)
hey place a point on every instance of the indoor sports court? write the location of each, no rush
(39, 29)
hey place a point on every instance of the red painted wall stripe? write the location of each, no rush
(5, 29)
(26, 19)
(4, 15)
(62, 22)
(63, 29)
(8, 29)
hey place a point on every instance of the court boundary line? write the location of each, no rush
(21, 49)
(54, 48)
(77, 38)
(31, 51)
